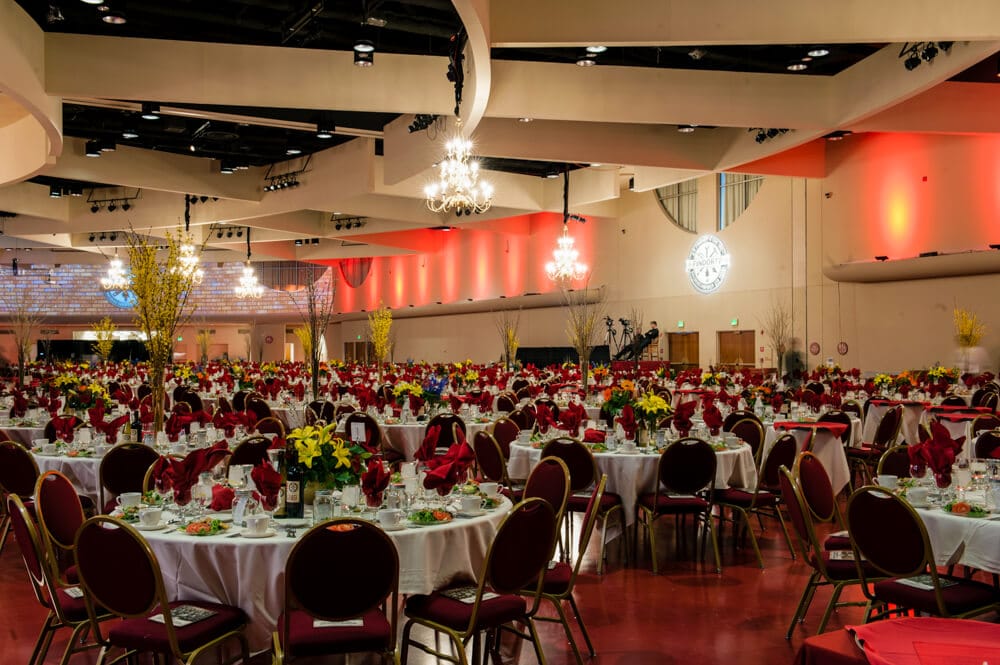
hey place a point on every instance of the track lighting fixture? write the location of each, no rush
(129, 133)
(126, 206)
(104, 237)
(364, 59)
(762, 134)
(913, 53)
(587, 60)
(112, 206)
(150, 111)
(229, 233)
(93, 149)
(55, 192)
(95, 209)
(113, 236)
(92, 236)
(421, 122)
(218, 234)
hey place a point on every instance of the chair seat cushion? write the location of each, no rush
(557, 579)
(456, 615)
(74, 609)
(306, 640)
(146, 635)
(960, 597)
(71, 575)
(673, 504)
(743, 498)
(837, 543)
(864, 451)
(577, 503)
(839, 569)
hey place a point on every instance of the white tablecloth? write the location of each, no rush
(83, 472)
(829, 449)
(630, 475)
(406, 438)
(980, 536)
(909, 429)
(249, 573)
(23, 435)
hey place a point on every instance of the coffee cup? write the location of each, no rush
(389, 517)
(256, 524)
(524, 436)
(471, 504)
(49, 448)
(150, 516)
(489, 490)
(887, 481)
(917, 496)
(129, 500)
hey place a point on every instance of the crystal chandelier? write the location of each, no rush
(116, 279)
(458, 187)
(188, 260)
(249, 287)
(565, 266)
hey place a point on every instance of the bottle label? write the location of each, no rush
(292, 492)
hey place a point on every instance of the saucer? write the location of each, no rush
(396, 527)
(266, 534)
(922, 504)
(473, 513)
(154, 527)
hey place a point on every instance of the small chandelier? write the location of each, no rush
(116, 279)
(458, 187)
(249, 287)
(188, 261)
(565, 266)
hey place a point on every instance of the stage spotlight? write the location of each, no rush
(112, 206)
(113, 237)
(239, 233)
(929, 53)
(912, 62)
(218, 234)
(339, 226)
(55, 192)
(126, 206)
(229, 233)
(92, 236)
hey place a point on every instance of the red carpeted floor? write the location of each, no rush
(687, 614)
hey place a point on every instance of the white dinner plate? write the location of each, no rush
(473, 513)
(154, 527)
(266, 534)
(397, 527)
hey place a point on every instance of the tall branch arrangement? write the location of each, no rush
(777, 325)
(104, 332)
(204, 340)
(315, 305)
(582, 325)
(305, 339)
(969, 329)
(507, 323)
(163, 304)
(380, 333)
(22, 298)
(253, 343)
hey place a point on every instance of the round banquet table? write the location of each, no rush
(83, 472)
(406, 438)
(970, 541)
(632, 474)
(23, 435)
(909, 429)
(827, 447)
(250, 572)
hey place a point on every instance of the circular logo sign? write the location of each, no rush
(268, 339)
(121, 299)
(842, 348)
(814, 348)
(707, 264)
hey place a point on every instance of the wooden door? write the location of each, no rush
(683, 350)
(736, 348)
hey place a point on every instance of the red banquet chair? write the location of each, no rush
(143, 597)
(864, 458)
(489, 458)
(60, 515)
(18, 475)
(63, 610)
(123, 469)
(316, 591)
(517, 560)
(814, 483)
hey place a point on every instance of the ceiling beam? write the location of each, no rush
(950, 107)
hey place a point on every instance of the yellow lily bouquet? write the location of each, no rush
(329, 460)
(651, 409)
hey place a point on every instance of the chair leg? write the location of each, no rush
(753, 537)
(564, 620)
(43, 642)
(784, 529)
(710, 525)
(404, 646)
(583, 627)
(652, 541)
(804, 600)
(4, 529)
(536, 641)
(834, 597)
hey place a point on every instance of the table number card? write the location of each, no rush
(358, 432)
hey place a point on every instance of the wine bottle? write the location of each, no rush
(294, 480)
(137, 426)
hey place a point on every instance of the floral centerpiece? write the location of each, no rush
(433, 387)
(937, 374)
(651, 409)
(329, 460)
(470, 378)
(883, 382)
(270, 369)
(600, 373)
(616, 398)
(663, 372)
(404, 389)
(184, 374)
(712, 378)
(905, 381)
(66, 383)
(86, 396)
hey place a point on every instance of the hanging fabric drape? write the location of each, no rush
(355, 271)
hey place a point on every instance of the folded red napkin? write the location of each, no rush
(713, 419)
(486, 402)
(776, 403)
(268, 482)
(64, 427)
(569, 420)
(20, 405)
(222, 497)
(426, 450)
(682, 417)
(299, 390)
(628, 423)
(177, 423)
(455, 403)
(451, 468)
(374, 481)
(593, 436)
(416, 403)
(543, 418)
(182, 474)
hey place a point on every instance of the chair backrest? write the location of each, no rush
(40, 573)
(817, 490)
(505, 431)
(802, 522)
(522, 548)
(816, 387)
(447, 421)
(489, 457)
(518, 384)
(506, 402)
(986, 421)
(990, 400)
(144, 390)
(687, 466)
(781, 454)
(324, 592)
(895, 462)
(193, 399)
(838, 417)
(59, 511)
(752, 432)
(178, 393)
(987, 443)
(240, 400)
(549, 480)
(258, 406)
(224, 405)
(18, 470)
(578, 458)
(888, 428)
(953, 400)
(322, 410)
(271, 425)
(251, 450)
(521, 418)
(551, 405)
(50, 428)
(887, 532)
(123, 469)
(343, 410)
(589, 520)
(736, 416)
(852, 406)
(373, 434)
(181, 407)
(978, 395)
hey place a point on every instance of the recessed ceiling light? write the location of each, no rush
(364, 58)
(587, 60)
(818, 52)
(130, 134)
(114, 17)
(551, 175)
(150, 111)
(324, 133)
(596, 164)
(93, 2)
(532, 119)
(797, 67)
(685, 129)
(293, 150)
(596, 49)
(807, 59)
(364, 46)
